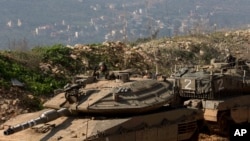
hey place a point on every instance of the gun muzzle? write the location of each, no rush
(45, 117)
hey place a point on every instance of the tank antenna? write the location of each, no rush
(244, 75)
(87, 126)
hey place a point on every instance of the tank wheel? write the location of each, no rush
(195, 136)
(224, 123)
(203, 127)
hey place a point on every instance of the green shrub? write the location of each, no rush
(35, 81)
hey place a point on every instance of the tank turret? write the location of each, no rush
(123, 95)
(213, 82)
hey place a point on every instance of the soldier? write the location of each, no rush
(230, 59)
(147, 74)
(103, 72)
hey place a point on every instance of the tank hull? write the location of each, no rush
(176, 124)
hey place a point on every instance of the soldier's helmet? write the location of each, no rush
(102, 64)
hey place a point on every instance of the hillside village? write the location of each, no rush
(113, 21)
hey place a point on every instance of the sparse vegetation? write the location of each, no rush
(27, 72)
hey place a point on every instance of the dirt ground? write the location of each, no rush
(205, 137)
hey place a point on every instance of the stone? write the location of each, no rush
(3, 118)
(5, 106)
(14, 102)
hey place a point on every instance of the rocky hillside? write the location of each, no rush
(44, 69)
(166, 52)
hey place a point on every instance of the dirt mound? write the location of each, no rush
(14, 101)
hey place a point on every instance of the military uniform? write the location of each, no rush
(102, 72)
(230, 59)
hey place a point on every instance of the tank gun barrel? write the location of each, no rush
(45, 117)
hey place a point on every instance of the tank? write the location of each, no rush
(221, 90)
(214, 81)
(127, 108)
